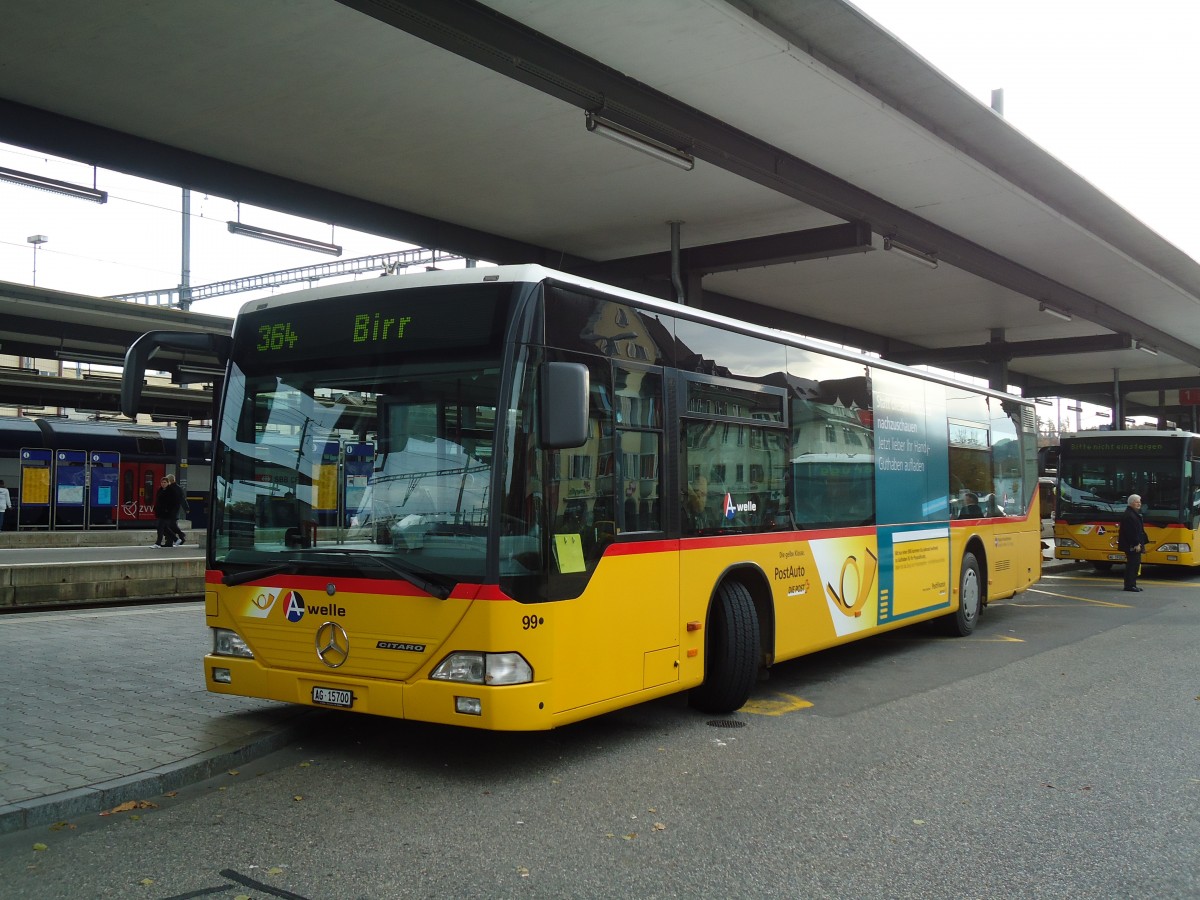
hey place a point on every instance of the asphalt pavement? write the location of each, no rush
(106, 706)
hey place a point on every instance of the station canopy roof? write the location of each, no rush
(817, 141)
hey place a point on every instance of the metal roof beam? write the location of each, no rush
(771, 250)
(20, 389)
(997, 351)
(1105, 388)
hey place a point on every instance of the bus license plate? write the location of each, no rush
(332, 697)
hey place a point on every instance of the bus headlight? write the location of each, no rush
(1065, 542)
(1174, 548)
(472, 667)
(229, 643)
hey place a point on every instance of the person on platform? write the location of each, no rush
(1131, 540)
(5, 505)
(168, 503)
(181, 510)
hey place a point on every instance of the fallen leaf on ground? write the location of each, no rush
(128, 805)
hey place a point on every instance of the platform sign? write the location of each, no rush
(70, 488)
(104, 482)
(325, 482)
(1189, 396)
(33, 510)
(359, 462)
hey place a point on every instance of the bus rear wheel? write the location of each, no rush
(970, 599)
(732, 651)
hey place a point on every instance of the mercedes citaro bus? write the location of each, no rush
(510, 498)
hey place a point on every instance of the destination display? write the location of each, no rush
(387, 322)
(1131, 445)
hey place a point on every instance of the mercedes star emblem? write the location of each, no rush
(333, 646)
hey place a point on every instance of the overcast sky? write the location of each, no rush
(1108, 87)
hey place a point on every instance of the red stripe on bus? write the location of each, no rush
(391, 587)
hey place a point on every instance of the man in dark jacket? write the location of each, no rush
(162, 510)
(1131, 540)
(168, 503)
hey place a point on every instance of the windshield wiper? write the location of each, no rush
(437, 586)
(232, 579)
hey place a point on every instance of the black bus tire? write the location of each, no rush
(970, 599)
(732, 651)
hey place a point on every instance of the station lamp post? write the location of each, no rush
(37, 240)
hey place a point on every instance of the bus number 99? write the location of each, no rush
(530, 622)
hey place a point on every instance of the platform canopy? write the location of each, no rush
(817, 167)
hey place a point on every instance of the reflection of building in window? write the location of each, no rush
(832, 469)
(581, 466)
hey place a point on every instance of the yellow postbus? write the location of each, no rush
(510, 498)
(1098, 471)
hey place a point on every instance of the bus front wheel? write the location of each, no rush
(970, 599)
(732, 651)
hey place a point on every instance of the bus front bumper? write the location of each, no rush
(518, 707)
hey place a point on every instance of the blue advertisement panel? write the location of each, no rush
(70, 488)
(34, 508)
(104, 477)
(911, 488)
(912, 468)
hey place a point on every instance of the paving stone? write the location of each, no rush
(111, 703)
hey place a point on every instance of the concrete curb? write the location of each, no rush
(154, 782)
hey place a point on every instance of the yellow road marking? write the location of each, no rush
(1082, 599)
(1097, 580)
(998, 639)
(786, 703)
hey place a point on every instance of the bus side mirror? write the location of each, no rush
(146, 347)
(564, 406)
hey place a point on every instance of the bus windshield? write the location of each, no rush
(357, 434)
(1095, 488)
(362, 469)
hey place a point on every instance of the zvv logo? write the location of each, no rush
(295, 606)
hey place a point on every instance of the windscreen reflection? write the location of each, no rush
(381, 473)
